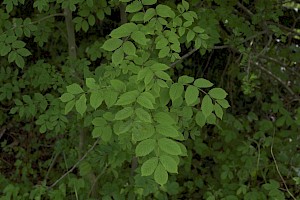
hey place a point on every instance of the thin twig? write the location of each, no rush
(277, 78)
(51, 166)
(278, 171)
(74, 166)
(244, 9)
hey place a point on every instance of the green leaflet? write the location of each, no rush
(145, 147)
(124, 30)
(191, 95)
(143, 115)
(96, 99)
(176, 91)
(206, 106)
(200, 119)
(167, 130)
(81, 105)
(218, 110)
(217, 93)
(160, 175)
(74, 89)
(202, 83)
(134, 6)
(165, 11)
(169, 146)
(149, 166)
(67, 97)
(124, 113)
(164, 118)
(112, 44)
(139, 37)
(127, 98)
(129, 48)
(169, 163)
(185, 79)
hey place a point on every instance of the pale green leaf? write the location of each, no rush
(176, 91)
(207, 106)
(169, 146)
(217, 93)
(145, 102)
(160, 175)
(145, 147)
(118, 56)
(200, 119)
(96, 99)
(211, 119)
(129, 48)
(69, 106)
(164, 118)
(143, 115)
(124, 113)
(185, 79)
(164, 11)
(74, 89)
(23, 52)
(135, 6)
(139, 37)
(148, 2)
(99, 121)
(91, 83)
(19, 61)
(191, 95)
(127, 98)
(190, 36)
(112, 44)
(163, 75)
(124, 30)
(223, 102)
(149, 166)
(81, 105)
(169, 163)
(118, 85)
(202, 83)
(149, 14)
(143, 132)
(218, 110)
(66, 97)
(164, 52)
(159, 67)
(167, 130)
(110, 98)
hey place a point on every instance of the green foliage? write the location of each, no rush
(126, 114)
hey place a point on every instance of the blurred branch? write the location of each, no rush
(276, 78)
(74, 166)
